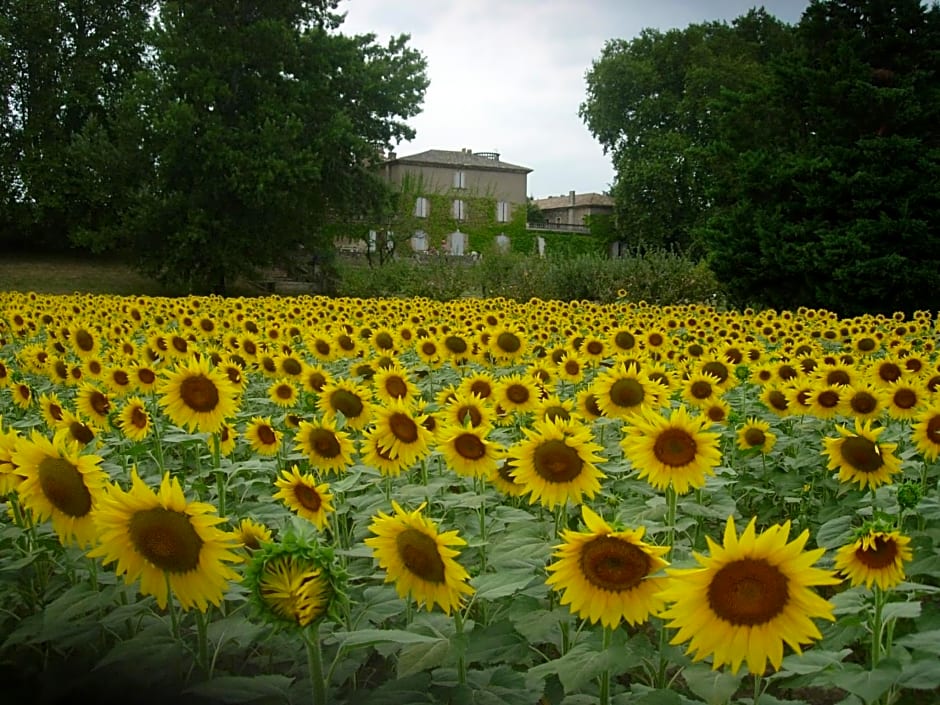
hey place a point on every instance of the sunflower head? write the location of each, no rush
(295, 582)
(876, 556)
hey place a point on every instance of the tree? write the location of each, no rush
(651, 104)
(839, 207)
(65, 68)
(263, 124)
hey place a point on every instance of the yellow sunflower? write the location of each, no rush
(905, 398)
(373, 452)
(60, 483)
(756, 435)
(346, 398)
(227, 438)
(262, 436)
(418, 559)
(22, 394)
(700, 389)
(10, 478)
(51, 408)
(166, 542)
(557, 462)
(673, 450)
(625, 390)
(197, 396)
(283, 392)
(400, 434)
(74, 430)
(250, 534)
(605, 574)
(393, 383)
(302, 494)
(327, 448)
(875, 557)
(503, 479)
(294, 589)
(926, 432)
(860, 458)
(751, 595)
(467, 451)
(134, 419)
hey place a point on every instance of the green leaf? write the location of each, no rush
(835, 532)
(920, 675)
(243, 689)
(928, 641)
(868, 685)
(580, 665)
(492, 586)
(370, 637)
(901, 610)
(812, 661)
(714, 687)
(417, 658)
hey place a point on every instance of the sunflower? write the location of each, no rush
(586, 405)
(553, 408)
(373, 452)
(926, 432)
(167, 542)
(507, 344)
(557, 462)
(315, 378)
(756, 435)
(860, 458)
(516, 393)
(775, 399)
(10, 478)
(826, 400)
(118, 380)
(717, 411)
(503, 479)
(227, 438)
(875, 557)
(22, 395)
(295, 590)
(251, 534)
(605, 574)
(700, 389)
(197, 396)
(346, 398)
(750, 595)
(327, 448)
(400, 434)
(93, 404)
(283, 392)
(467, 451)
(905, 399)
(624, 390)
(72, 429)
(466, 409)
(392, 383)
(862, 400)
(50, 406)
(481, 384)
(570, 368)
(262, 436)
(302, 494)
(134, 419)
(418, 559)
(144, 376)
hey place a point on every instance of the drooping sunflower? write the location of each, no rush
(875, 557)
(419, 559)
(756, 435)
(467, 451)
(197, 396)
(60, 483)
(262, 436)
(605, 575)
(672, 450)
(926, 432)
(346, 398)
(400, 433)
(160, 537)
(327, 448)
(134, 419)
(860, 458)
(302, 494)
(751, 595)
(557, 462)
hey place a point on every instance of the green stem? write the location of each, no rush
(758, 687)
(202, 632)
(877, 626)
(605, 676)
(315, 663)
(671, 502)
(171, 608)
(461, 657)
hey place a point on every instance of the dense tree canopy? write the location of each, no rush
(803, 160)
(244, 128)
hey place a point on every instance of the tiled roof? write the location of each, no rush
(443, 157)
(580, 200)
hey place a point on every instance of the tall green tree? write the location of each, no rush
(264, 123)
(838, 207)
(65, 67)
(651, 104)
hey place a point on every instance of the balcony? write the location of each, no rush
(558, 228)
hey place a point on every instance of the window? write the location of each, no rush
(419, 241)
(458, 210)
(460, 179)
(422, 207)
(502, 211)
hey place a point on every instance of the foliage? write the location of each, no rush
(66, 163)
(803, 161)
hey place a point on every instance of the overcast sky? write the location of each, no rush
(507, 76)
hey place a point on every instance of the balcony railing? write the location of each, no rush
(559, 228)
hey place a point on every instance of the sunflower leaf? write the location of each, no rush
(920, 675)
(835, 532)
(928, 641)
(580, 665)
(491, 586)
(371, 637)
(243, 689)
(714, 687)
(901, 610)
(868, 685)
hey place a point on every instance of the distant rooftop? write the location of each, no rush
(573, 199)
(463, 157)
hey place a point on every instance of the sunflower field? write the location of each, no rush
(341, 500)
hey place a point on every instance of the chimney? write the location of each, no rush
(571, 197)
(392, 155)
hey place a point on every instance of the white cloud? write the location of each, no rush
(508, 75)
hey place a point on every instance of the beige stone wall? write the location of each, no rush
(501, 185)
